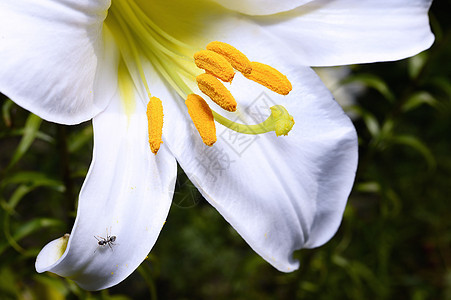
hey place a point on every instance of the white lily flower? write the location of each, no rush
(72, 60)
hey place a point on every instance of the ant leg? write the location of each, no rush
(108, 233)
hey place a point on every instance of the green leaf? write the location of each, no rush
(8, 288)
(19, 132)
(54, 287)
(36, 225)
(79, 139)
(146, 273)
(25, 230)
(392, 207)
(30, 130)
(6, 112)
(417, 145)
(444, 85)
(370, 120)
(371, 81)
(416, 64)
(15, 198)
(32, 178)
(368, 187)
(418, 99)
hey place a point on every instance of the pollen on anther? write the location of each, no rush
(214, 89)
(155, 123)
(215, 64)
(202, 117)
(270, 78)
(235, 57)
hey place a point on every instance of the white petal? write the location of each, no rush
(261, 7)
(319, 33)
(52, 252)
(127, 192)
(279, 193)
(328, 33)
(53, 58)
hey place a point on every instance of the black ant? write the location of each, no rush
(109, 240)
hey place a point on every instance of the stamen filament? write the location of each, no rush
(156, 28)
(145, 34)
(134, 50)
(171, 77)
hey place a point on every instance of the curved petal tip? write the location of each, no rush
(51, 253)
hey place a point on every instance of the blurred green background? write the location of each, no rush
(394, 242)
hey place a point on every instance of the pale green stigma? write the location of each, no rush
(283, 121)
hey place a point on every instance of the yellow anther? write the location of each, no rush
(214, 89)
(155, 123)
(236, 58)
(270, 78)
(202, 117)
(215, 64)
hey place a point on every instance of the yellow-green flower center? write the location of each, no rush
(142, 41)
